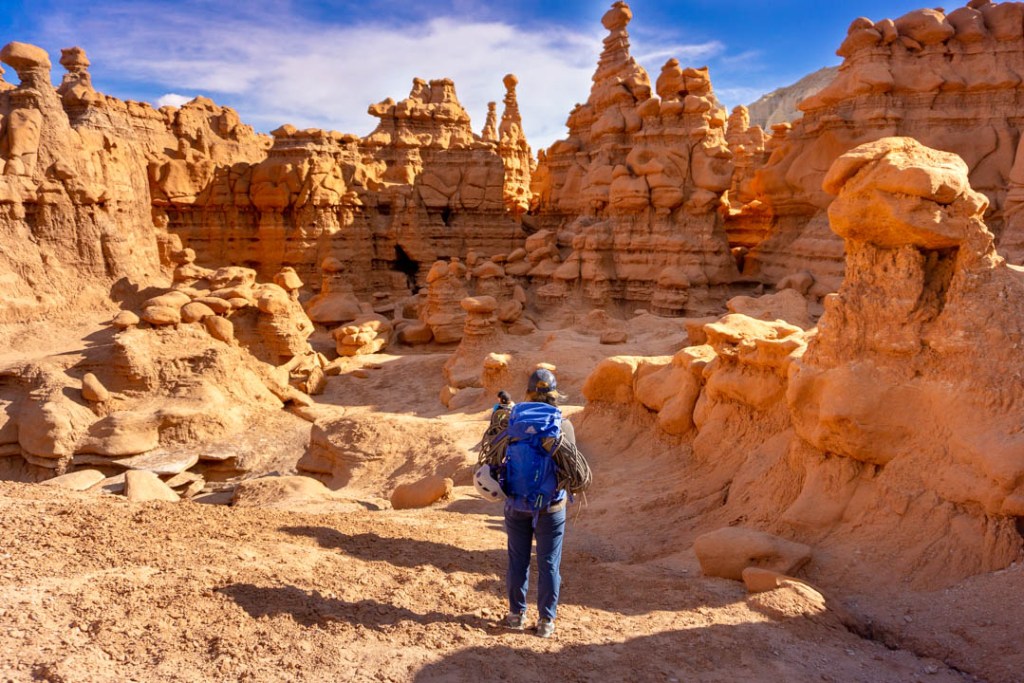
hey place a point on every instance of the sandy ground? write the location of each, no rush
(97, 589)
(93, 588)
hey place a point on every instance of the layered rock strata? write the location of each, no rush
(952, 81)
(634, 193)
(891, 425)
(420, 187)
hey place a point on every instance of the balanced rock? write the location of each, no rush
(364, 335)
(896, 192)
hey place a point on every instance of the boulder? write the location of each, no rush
(194, 312)
(24, 56)
(161, 315)
(896, 192)
(141, 486)
(125, 319)
(726, 552)
(422, 493)
(76, 481)
(220, 328)
(279, 491)
(415, 333)
(93, 390)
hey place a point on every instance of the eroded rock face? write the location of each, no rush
(879, 425)
(950, 80)
(633, 194)
(321, 196)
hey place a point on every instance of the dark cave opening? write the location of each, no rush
(403, 263)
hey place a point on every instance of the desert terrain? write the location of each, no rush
(244, 376)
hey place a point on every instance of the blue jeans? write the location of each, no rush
(549, 532)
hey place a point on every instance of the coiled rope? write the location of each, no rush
(574, 473)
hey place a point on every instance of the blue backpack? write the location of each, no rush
(531, 476)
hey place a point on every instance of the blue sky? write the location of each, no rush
(322, 62)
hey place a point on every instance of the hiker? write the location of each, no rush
(535, 464)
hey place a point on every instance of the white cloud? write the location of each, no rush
(275, 67)
(172, 99)
(684, 53)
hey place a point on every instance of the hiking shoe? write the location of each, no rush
(516, 621)
(545, 628)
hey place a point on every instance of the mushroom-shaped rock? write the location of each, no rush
(896, 192)
(73, 58)
(23, 56)
(479, 304)
(421, 493)
(618, 17)
(727, 552)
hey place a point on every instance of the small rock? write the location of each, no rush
(194, 312)
(141, 485)
(614, 337)
(76, 481)
(161, 315)
(93, 390)
(183, 479)
(214, 498)
(194, 489)
(125, 319)
(421, 493)
(220, 328)
(728, 551)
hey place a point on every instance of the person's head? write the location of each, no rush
(542, 387)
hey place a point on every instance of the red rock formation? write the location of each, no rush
(421, 186)
(892, 424)
(74, 205)
(634, 194)
(953, 82)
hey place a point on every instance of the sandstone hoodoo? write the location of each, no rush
(790, 352)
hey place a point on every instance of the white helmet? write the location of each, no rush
(486, 485)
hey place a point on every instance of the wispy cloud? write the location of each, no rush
(684, 53)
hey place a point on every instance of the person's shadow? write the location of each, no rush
(311, 608)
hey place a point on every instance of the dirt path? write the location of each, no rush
(97, 589)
